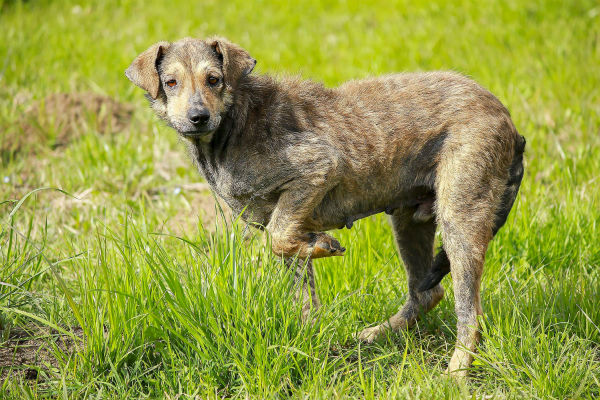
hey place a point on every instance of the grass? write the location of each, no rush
(173, 308)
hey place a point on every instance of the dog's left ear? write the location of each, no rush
(237, 62)
(143, 71)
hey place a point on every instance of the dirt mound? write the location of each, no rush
(63, 117)
(25, 353)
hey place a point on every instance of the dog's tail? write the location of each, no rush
(441, 264)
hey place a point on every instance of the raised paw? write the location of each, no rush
(325, 246)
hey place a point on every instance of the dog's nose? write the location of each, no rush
(198, 116)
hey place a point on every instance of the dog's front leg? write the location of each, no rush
(304, 282)
(287, 227)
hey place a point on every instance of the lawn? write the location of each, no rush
(121, 277)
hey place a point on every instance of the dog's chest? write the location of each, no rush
(247, 195)
(244, 190)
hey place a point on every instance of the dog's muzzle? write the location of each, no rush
(198, 116)
(199, 124)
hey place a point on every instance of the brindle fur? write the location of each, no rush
(434, 150)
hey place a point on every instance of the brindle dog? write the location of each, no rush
(430, 149)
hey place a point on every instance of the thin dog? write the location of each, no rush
(433, 150)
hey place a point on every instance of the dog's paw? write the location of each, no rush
(369, 335)
(459, 363)
(459, 374)
(326, 246)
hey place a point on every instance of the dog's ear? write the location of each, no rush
(237, 62)
(143, 70)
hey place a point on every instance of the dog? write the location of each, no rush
(432, 150)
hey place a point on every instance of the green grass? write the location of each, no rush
(172, 309)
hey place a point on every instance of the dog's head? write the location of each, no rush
(190, 83)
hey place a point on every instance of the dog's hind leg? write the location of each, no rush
(415, 245)
(441, 263)
(469, 192)
(304, 285)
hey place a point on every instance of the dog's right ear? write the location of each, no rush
(143, 70)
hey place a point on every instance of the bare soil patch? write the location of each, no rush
(61, 118)
(25, 353)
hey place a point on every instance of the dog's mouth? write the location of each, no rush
(196, 133)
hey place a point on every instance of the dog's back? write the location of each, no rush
(391, 132)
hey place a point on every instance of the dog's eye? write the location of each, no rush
(172, 83)
(213, 80)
